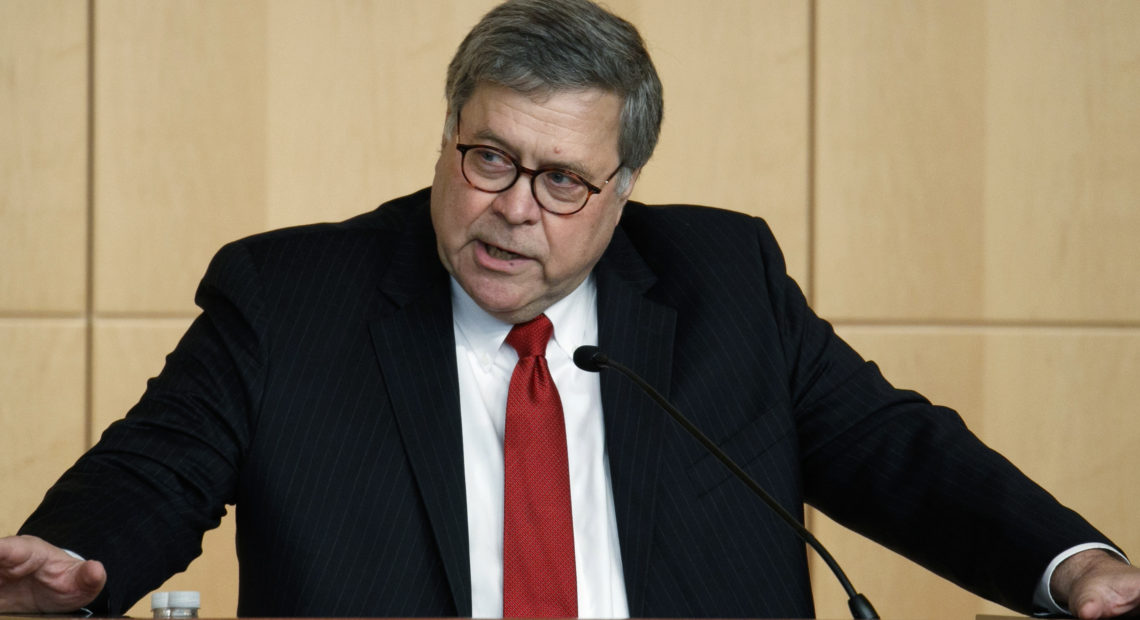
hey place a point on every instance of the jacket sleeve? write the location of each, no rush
(142, 497)
(906, 473)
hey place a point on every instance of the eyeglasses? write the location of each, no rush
(558, 191)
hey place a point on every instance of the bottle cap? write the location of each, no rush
(185, 599)
(158, 600)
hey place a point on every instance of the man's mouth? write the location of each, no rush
(500, 253)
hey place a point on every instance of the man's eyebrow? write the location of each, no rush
(489, 136)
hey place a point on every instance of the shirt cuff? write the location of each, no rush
(1043, 597)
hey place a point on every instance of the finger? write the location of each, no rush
(18, 556)
(11, 549)
(75, 587)
(91, 576)
(1090, 609)
(1109, 596)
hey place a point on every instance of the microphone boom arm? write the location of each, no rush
(594, 360)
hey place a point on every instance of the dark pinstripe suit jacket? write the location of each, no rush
(317, 392)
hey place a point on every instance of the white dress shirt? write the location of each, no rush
(485, 365)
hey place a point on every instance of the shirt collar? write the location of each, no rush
(572, 317)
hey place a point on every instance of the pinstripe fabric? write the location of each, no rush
(317, 391)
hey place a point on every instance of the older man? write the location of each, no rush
(391, 403)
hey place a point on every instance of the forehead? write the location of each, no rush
(575, 123)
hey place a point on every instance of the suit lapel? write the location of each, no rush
(638, 332)
(415, 346)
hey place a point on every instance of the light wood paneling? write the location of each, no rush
(348, 129)
(41, 410)
(1059, 403)
(1062, 146)
(355, 102)
(735, 134)
(254, 116)
(179, 144)
(974, 160)
(263, 115)
(899, 159)
(43, 156)
(1062, 405)
(126, 354)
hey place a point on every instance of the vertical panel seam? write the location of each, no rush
(811, 153)
(809, 515)
(89, 301)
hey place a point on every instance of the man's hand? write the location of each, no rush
(37, 577)
(1097, 584)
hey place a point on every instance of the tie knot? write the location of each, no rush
(529, 339)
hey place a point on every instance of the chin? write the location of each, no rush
(508, 312)
(499, 303)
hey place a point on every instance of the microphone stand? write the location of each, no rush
(592, 359)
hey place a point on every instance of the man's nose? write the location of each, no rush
(517, 204)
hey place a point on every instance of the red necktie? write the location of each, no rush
(539, 578)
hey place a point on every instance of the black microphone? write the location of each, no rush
(592, 359)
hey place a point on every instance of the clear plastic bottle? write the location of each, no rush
(179, 604)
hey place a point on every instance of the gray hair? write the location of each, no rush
(540, 47)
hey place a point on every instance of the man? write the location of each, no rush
(349, 388)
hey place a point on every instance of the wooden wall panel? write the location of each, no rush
(355, 102)
(735, 135)
(127, 352)
(1062, 404)
(1062, 144)
(899, 159)
(42, 391)
(1058, 402)
(179, 144)
(347, 131)
(43, 156)
(969, 164)
(973, 158)
(290, 118)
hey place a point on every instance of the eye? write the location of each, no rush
(492, 160)
(561, 179)
(488, 156)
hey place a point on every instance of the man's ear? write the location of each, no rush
(629, 187)
(447, 131)
(624, 196)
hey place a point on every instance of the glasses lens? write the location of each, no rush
(492, 170)
(488, 169)
(560, 191)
